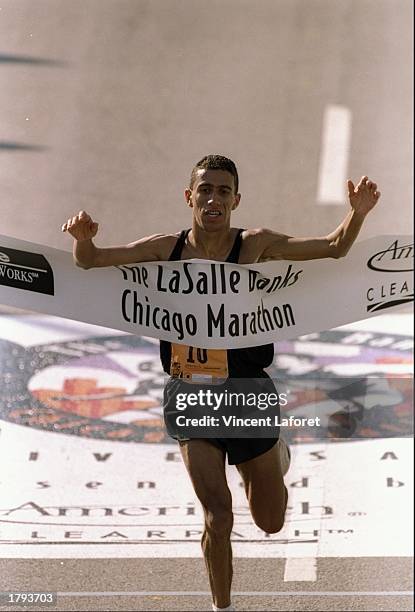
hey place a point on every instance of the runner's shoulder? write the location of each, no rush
(254, 242)
(251, 233)
(254, 236)
(261, 236)
(257, 233)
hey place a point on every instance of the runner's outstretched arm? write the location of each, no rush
(362, 199)
(86, 255)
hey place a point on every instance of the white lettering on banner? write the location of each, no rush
(20, 275)
(209, 304)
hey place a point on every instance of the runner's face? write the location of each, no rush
(212, 198)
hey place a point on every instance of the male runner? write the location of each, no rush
(213, 195)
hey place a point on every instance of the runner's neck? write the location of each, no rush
(210, 244)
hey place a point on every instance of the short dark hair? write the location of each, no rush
(215, 162)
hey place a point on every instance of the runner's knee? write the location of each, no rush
(218, 520)
(271, 524)
(273, 521)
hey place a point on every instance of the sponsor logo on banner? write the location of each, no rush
(24, 270)
(396, 258)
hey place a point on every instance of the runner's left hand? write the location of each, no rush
(364, 196)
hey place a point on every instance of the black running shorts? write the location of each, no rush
(238, 450)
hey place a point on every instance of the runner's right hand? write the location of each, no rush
(81, 227)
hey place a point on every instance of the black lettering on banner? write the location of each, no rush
(260, 283)
(144, 314)
(240, 324)
(138, 274)
(204, 283)
(188, 278)
(395, 258)
(214, 322)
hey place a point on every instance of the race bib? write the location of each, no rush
(198, 365)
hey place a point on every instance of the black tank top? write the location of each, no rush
(245, 362)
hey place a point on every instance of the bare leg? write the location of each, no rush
(264, 486)
(205, 464)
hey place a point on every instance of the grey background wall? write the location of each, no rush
(107, 104)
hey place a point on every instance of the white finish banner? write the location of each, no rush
(212, 304)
